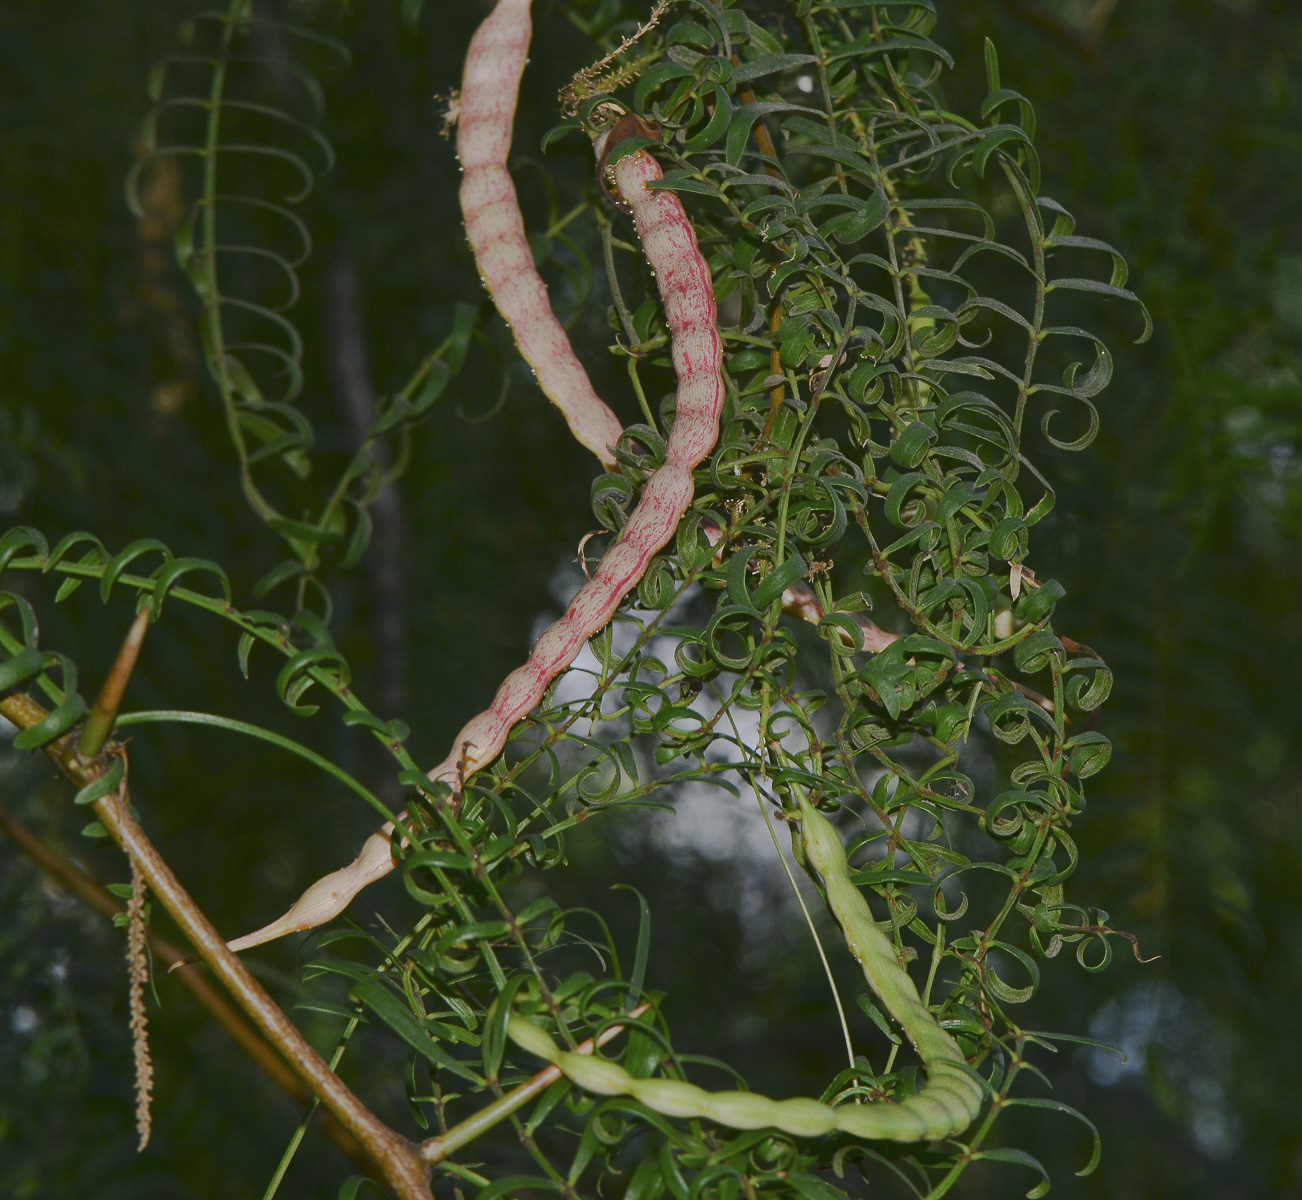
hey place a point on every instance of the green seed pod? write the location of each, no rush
(947, 1104)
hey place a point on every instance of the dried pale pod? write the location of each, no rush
(686, 290)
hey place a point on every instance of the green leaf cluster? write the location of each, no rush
(898, 304)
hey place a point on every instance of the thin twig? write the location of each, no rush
(395, 1156)
(437, 1148)
(350, 379)
(74, 879)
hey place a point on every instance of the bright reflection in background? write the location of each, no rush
(719, 837)
(1155, 1025)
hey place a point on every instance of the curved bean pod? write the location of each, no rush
(946, 1105)
(687, 292)
(495, 229)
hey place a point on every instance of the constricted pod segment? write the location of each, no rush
(495, 228)
(947, 1104)
(687, 293)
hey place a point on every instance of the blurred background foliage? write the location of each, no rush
(1172, 131)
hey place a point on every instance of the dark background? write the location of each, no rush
(1171, 129)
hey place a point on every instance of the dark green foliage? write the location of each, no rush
(903, 434)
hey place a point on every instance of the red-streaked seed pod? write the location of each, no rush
(686, 290)
(495, 228)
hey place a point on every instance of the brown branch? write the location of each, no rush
(73, 879)
(397, 1158)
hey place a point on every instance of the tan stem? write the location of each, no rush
(437, 1148)
(100, 722)
(397, 1158)
(72, 878)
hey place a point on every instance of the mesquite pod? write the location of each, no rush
(495, 228)
(687, 292)
(945, 1106)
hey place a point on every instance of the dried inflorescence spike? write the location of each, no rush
(138, 973)
(597, 80)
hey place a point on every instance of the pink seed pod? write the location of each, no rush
(687, 292)
(495, 228)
